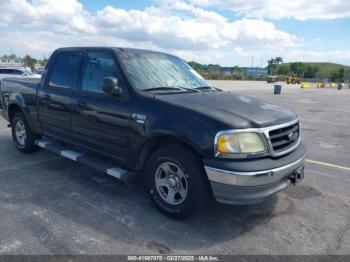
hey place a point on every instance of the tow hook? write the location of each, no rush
(297, 176)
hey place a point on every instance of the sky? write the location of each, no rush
(225, 32)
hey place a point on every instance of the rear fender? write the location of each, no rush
(16, 103)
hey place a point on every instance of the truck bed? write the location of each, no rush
(23, 91)
(23, 84)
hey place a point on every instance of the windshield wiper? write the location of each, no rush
(166, 88)
(160, 88)
(207, 88)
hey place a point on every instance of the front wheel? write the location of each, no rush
(176, 181)
(22, 135)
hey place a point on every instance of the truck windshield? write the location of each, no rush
(157, 72)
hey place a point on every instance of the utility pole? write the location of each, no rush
(11, 57)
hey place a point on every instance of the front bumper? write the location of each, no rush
(240, 182)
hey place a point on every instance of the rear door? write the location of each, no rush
(56, 96)
(101, 121)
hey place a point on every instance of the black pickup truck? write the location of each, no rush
(135, 113)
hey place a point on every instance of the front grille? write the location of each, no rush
(284, 138)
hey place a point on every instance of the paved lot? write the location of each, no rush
(50, 205)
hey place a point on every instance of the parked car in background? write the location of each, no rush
(17, 72)
(39, 71)
(271, 79)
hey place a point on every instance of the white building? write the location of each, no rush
(11, 62)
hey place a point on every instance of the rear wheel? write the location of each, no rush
(176, 181)
(22, 135)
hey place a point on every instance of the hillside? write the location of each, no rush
(307, 70)
(324, 70)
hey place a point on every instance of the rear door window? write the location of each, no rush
(65, 70)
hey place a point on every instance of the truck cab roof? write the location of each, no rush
(118, 49)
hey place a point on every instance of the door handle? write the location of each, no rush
(81, 105)
(46, 98)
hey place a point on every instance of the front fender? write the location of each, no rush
(158, 138)
(168, 121)
(165, 134)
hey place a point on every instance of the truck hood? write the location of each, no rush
(235, 110)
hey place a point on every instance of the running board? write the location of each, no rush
(87, 160)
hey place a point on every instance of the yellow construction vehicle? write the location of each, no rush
(305, 85)
(321, 85)
(293, 80)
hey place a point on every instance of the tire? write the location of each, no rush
(22, 134)
(176, 181)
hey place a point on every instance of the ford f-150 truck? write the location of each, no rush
(142, 114)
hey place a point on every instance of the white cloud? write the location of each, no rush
(194, 29)
(255, 34)
(44, 42)
(170, 31)
(61, 15)
(276, 9)
(57, 11)
(174, 26)
(15, 9)
(38, 27)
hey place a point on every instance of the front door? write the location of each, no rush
(101, 121)
(56, 96)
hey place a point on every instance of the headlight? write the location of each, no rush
(239, 143)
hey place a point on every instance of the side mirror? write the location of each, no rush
(110, 86)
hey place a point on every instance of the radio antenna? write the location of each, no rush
(144, 36)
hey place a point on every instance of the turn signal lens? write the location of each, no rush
(240, 143)
(228, 144)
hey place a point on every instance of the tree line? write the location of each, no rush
(296, 68)
(28, 61)
(308, 70)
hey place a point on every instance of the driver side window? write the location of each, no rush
(98, 66)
